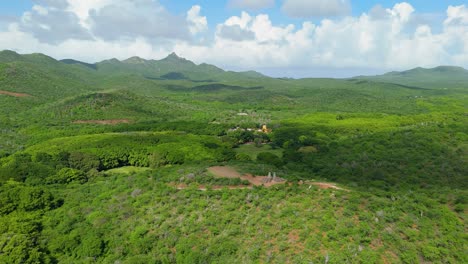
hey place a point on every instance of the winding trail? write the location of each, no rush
(15, 94)
(103, 122)
(325, 185)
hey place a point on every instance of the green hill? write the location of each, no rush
(439, 77)
(171, 67)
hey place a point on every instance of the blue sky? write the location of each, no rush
(329, 37)
(219, 10)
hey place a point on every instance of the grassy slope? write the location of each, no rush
(253, 151)
(442, 77)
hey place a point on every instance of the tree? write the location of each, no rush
(83, 161)
(68, 175)
(269, 158)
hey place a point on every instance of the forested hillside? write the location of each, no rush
(145, 161)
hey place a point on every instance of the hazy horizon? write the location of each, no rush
(289, 38)
(294, 73)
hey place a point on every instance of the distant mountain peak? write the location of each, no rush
(113, 60)
(9, 55)
(173, 57)
(135, 60)
(440, 77)
(76, 62)
(9, 52)
(450, 68)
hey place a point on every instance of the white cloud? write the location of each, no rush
(457, 15)
(383, 41)
(234, 32)
(385, 38)
(55, 21)
(242, 21)
(40, 10)
(86, 50)
(197, 23)
(402, 12)
(251, 4)
(124, 20)
(52, 25)
(316, 8)
(82, 8)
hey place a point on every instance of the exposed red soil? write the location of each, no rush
(325, 185)
(389, 257)
(15, 94)
(294, 240)
(228, 172)
(224, 172)
(293, 236)
(259, 180)
(103, 122)
(184, 186)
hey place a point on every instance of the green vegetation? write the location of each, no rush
(107, 163)
(252, 150)
(127, 170)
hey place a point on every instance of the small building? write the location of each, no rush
(265, 129)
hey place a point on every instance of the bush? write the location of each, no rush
(68, 175)
(243, 157)
(269, 158)
(83, 161)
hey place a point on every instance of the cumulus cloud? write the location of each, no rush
(378, 12)
(197, 23)
(251, 4)
(457, 15)
(316, 8)
(56, 21)
(235, 32)
(82, 8)
(383, 39)
(242, 20)
(52, 25)
(138, 18)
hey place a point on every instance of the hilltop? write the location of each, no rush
(438, 77)
(172, 67)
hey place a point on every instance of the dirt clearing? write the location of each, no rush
(325, 185)
(103, 122)
(224, 172)
(266, 181)
(228, 172)
(15, 94)
(184, 186)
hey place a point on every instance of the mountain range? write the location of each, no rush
(174, 67)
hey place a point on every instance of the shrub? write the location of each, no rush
(243, 157)
(68, 175)
(269, 158)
